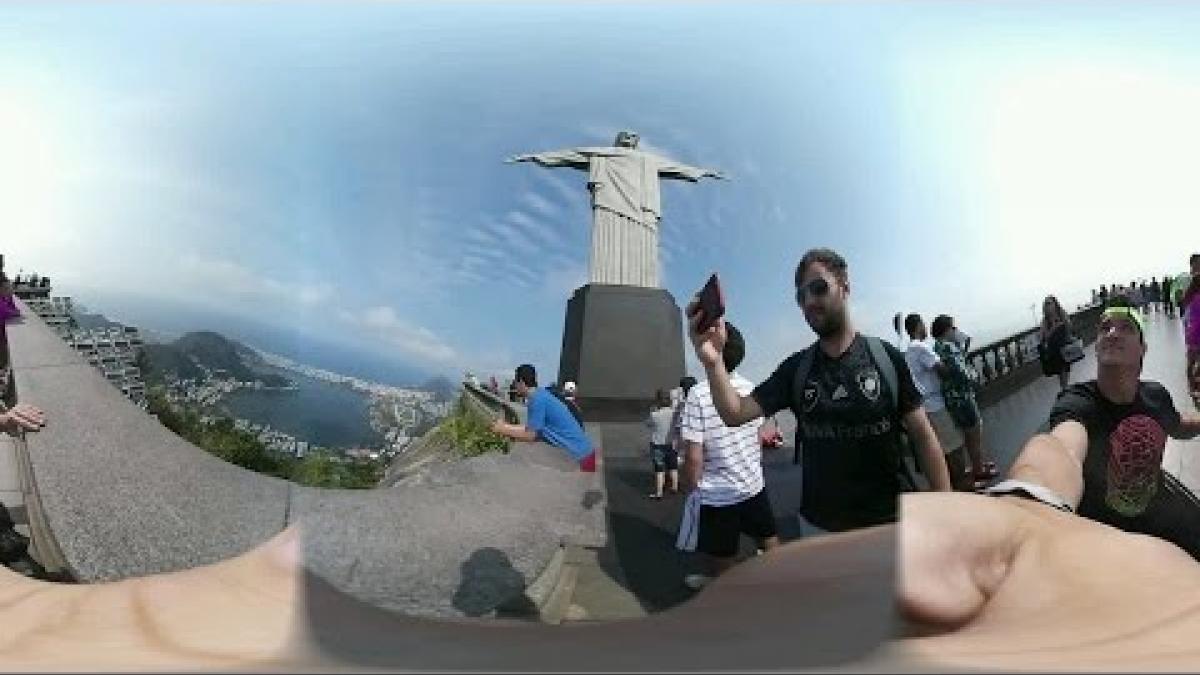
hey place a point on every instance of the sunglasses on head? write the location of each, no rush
(817, 288)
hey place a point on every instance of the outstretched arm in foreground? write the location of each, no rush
(1055, 461)
(1007, 583)
(237, 614)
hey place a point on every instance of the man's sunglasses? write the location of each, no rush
(818, 288)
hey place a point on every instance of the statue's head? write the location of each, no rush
(626, 139)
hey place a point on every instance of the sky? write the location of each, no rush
(327, 180)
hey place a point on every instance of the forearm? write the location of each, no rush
(515, 432)
(929, 450)
(933, 460)
(734, 409)
(693, 466)
(1045, 461)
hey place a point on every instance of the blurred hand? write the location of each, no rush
(711, 343)
(22, 417)
(1009, 583)
(237, 614)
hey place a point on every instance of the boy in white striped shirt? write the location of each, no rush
(723, 474)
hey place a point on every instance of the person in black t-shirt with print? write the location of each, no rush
(1101, 448)
(848, 422)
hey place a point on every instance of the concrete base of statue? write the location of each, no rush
(620, 344)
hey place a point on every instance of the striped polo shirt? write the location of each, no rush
(732, 455)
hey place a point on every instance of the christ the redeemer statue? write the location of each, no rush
(626, 206)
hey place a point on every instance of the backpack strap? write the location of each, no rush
(798, 382)
(887, 368)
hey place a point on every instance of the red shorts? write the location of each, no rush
(588, 464)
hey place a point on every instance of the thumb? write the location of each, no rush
(955, 550)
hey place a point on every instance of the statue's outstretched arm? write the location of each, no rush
(576, 158)
(676, 170)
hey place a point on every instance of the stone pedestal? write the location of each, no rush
(620, 344)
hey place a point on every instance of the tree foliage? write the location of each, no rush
(469, 435)
(220, 437)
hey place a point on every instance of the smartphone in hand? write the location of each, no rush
(710, 304)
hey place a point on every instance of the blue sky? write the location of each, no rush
(335, 172)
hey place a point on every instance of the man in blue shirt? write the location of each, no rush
(549, 421)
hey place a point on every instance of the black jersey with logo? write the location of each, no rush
(849, 432)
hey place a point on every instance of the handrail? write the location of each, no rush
(490, 406)
(1010, 363)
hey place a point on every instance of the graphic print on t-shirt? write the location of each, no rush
(1134, 460)
(868, 383)
(812, 394)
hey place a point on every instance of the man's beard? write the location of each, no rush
(828, 325)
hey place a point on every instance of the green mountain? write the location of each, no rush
(188, 356)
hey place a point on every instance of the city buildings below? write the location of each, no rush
(112, 350)
(398, 414)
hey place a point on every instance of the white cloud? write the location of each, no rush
(540, 204)
(568, 185)
(508, 238)
(549, 235)
(413, 341)
(563, 275)
(226, 278)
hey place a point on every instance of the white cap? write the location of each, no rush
(569, 387)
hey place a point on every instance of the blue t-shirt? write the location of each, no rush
(553, 423)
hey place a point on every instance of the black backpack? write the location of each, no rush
(891, 380)
(561, 395)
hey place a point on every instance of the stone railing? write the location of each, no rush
(488, 406)
(119, 496)
(1006, 365)
(434, 447)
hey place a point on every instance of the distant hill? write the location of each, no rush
(88, 321)
(443, 389)
(159, 360)
(186, 356)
